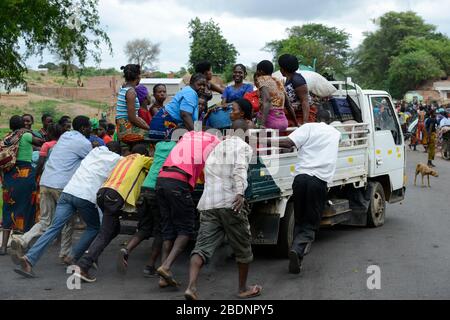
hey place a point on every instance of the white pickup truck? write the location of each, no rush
(370, 170)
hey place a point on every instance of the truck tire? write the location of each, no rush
(377, 208)
(286, 232)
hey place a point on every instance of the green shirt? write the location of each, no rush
(162, 151)
(25, 152)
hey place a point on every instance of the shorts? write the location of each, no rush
(215, 224)
(178, 213)
(149, 224)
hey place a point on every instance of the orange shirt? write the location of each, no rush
(107, 139)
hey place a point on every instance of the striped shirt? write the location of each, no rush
(122, 110)
(127, 178)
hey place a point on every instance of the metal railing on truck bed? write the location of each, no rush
(272, 172)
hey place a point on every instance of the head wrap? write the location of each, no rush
(142, 93)
(94, 123)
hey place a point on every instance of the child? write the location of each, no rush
(144, 101)
(111, 131)
(102, 133)
(160, 94)
(54, 131)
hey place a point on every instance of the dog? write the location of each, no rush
(425, 170)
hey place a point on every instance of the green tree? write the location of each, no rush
(315, 44)
(438, 48)
(72, 33)
(409, 70)
(208, 44)
(372, 60)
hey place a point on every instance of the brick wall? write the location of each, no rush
(106, 95)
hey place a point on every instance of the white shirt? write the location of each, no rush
(444, 122)
(92, 173)
(318, 145)
(225, 174)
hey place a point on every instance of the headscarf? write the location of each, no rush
(142, 93)
(94, 123)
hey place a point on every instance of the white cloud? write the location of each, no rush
(248, 24)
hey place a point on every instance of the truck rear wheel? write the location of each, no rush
(286, 232)
(377, 209)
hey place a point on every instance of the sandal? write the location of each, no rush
(163, 283)
(254, 292)
(22, 269)
(168, 277)
(190, 295)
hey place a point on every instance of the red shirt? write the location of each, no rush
(190, 154)
(145, 114)
(46, 147)
(107, 138)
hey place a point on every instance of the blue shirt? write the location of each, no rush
(232, 94)
(185, 100)
(65, 159)
(100, 141)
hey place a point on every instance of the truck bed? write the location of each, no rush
(273, 174)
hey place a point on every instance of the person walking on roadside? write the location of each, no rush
(431, 129)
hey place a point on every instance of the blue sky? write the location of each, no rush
(248, 24)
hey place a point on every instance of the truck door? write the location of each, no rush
(388, 143)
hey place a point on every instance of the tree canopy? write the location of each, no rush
(208, 44)
(143, 52)
(315, 44)
(373, 58)
(56, 25)
(408, 70)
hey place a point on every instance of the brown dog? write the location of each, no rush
(425, 170)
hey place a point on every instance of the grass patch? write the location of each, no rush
(36, 109)
(46, 106)
(4, 132)
(95, 104)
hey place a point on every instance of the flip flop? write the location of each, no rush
(21, 269)
(23, 273)
(166, 276)
(163, 283)
(190, 296)
(255, 291)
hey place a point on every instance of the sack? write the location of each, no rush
(317, 84)
(253, 97)
(9, 148)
